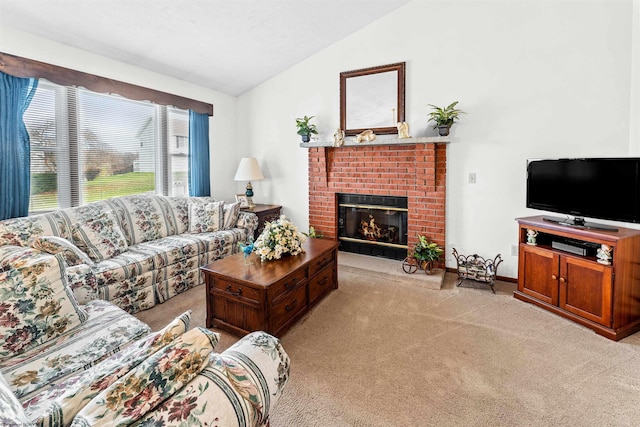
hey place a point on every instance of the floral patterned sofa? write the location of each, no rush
(68, 364)
(135, 251)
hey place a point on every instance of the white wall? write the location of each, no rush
(536, 78)
(222, 125)
(634, 116)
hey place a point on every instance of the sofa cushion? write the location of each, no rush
(18, 231)
(176, 211)
(107, 330)
(205, 217)
(59, 404)
(54, 245)
(36, 305)
(153, 381)
(231, 213)
(245, 382)
(142, 218)
(11, 412)
(100, 237)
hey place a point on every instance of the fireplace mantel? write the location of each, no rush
(381, 140)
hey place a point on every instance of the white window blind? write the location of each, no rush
(87, 146)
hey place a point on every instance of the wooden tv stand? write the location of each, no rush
(605, 298)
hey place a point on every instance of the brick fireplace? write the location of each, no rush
(416, 171)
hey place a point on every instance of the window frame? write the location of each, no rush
(69, 162)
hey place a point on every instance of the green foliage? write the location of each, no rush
(104, 187)
(44, 182)
(426, 250)
(313, 233)
(444, 116)
(304, 127)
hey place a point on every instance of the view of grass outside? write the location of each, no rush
(103, 188)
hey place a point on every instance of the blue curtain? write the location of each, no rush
(199, 154)
(15, 96)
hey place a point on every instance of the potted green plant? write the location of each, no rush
(305, 129)
(444, 117)
(427, 253)
(313, 233)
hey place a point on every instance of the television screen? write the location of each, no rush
(596, 188)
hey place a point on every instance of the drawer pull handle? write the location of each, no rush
(554, 277)
(288, 286)
(239, 293)
(323, 281)
(562, 280)
(293, 304)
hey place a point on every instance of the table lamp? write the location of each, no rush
(248, 170)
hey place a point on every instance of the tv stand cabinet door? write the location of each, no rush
(538, 273)
(586, 289)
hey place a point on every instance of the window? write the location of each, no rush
(87, 146)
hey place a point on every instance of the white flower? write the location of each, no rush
(278, 238)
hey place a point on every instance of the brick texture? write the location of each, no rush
(417, 172)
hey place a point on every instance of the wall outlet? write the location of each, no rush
(514, 250)
(472, 177)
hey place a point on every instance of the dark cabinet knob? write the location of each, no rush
(239, 293)
(291, 307)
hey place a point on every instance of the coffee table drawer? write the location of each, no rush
(321, 284)
(321, 262)
(294, 303)
(289, 283)
(230, 289)
(241, 316)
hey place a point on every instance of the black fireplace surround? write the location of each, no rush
(373, 225)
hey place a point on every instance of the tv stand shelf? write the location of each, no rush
(605, 298)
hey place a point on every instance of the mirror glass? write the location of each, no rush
(372, 98)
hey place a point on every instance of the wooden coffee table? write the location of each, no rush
(272, 295)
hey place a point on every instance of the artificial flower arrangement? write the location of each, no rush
(279, 237)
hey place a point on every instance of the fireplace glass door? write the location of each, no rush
(373, 225)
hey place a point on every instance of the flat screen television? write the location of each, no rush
(602, 188)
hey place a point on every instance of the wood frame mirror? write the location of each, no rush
(372, 98)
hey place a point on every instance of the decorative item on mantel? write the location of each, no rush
(338, 138)
(531, 236)
(403, 130)
(444, 117)
(305, 129)
(365, 136)
(604, 254)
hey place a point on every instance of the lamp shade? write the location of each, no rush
(248, 170)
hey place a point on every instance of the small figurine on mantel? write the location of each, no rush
(365, 136)
(531, 236)
(403, 130)
(338, 138)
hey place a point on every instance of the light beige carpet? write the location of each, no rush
(382, 351)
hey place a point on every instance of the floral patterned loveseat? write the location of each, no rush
(67, 364)
(135, 251)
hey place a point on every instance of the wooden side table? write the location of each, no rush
(265, 213)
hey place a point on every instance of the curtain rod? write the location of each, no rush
(24, 67)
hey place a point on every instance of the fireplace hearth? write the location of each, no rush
(373, 225)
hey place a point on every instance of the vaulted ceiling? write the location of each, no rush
(226, 45)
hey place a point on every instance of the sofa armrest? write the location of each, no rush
(241, 386)
(248, 221)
